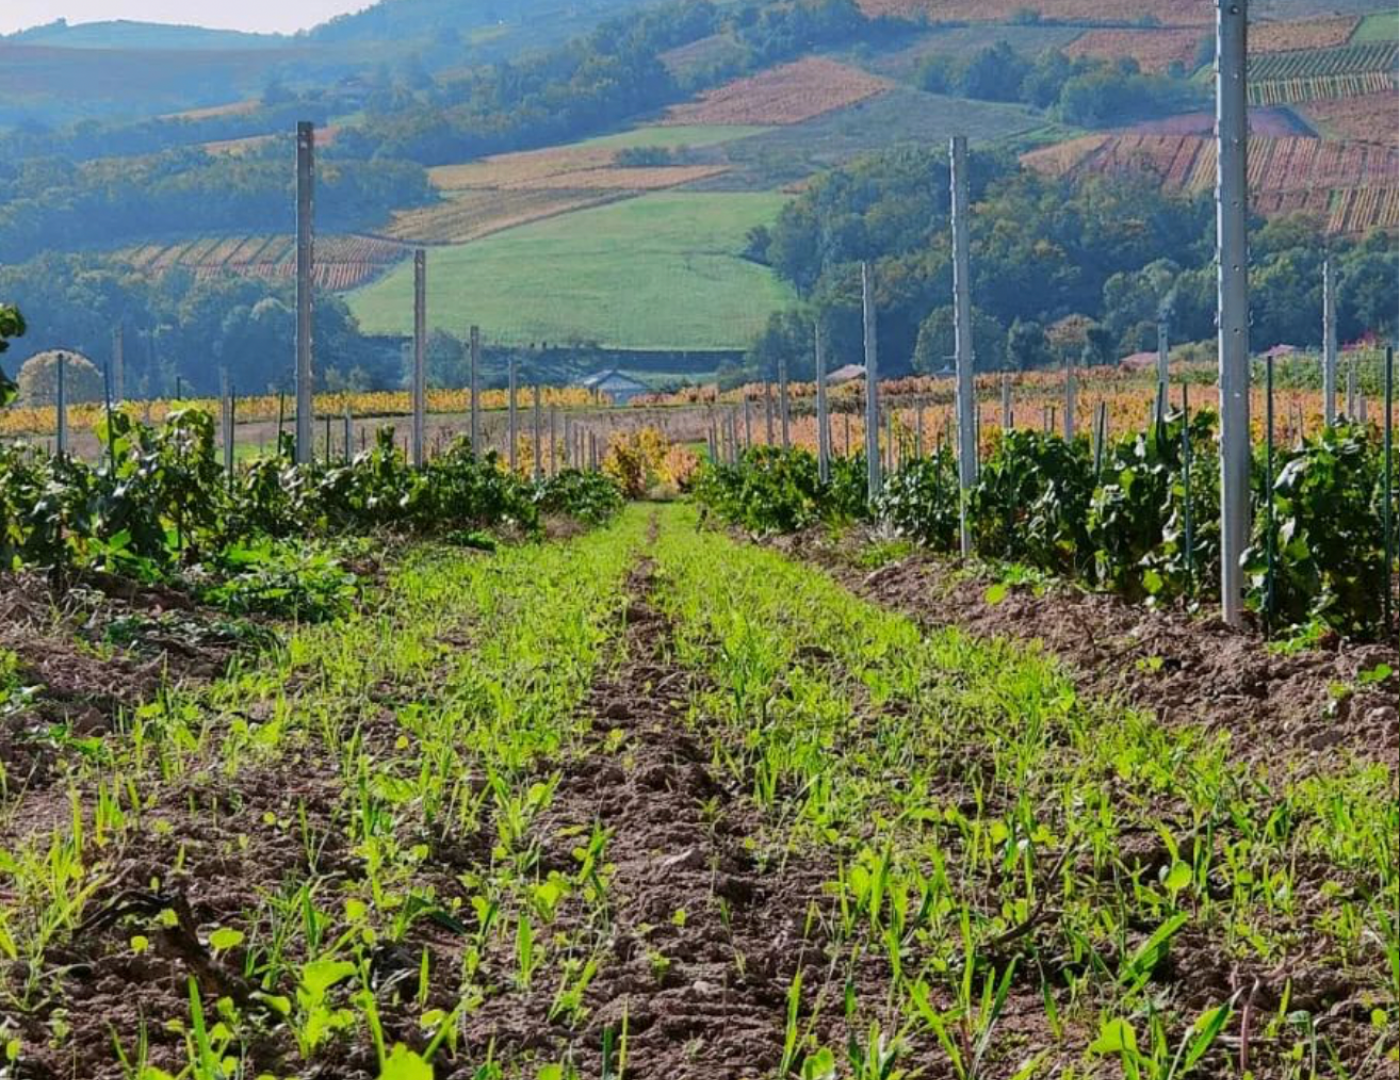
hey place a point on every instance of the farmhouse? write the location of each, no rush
(618, 387)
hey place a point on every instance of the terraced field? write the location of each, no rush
(1320, 74)
(1083, 12)
(1372, 117)
(501, 192)
(342, 262)
(1352, 184)
(1272, 37)
(788, 94)
(788, 155)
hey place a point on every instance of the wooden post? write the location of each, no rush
(1008, 416)
(305, 296)
(768, 411)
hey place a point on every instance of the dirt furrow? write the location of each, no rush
(701, 943)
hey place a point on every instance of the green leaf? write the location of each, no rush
(404, 1064)
(996, 593)
(1178, 877)
(1115, 1036)
(225, 938)
(320, 975)
(820, 1065)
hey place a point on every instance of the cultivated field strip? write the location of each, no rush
(1017, 875)
(788, 94)
(342, 261)
(653, 803)
(1351, 184)
(315, 825)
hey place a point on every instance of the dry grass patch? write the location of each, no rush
(473, 213)
(1154, 50)
(788, 94)
(1268, 37)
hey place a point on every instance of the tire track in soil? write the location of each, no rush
(716, 1007)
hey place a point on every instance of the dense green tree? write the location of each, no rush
(1027, 347)
(934, 350)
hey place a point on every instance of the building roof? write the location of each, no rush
(612, 379)
(1139, 361)
(846, 374)
(1279, 350)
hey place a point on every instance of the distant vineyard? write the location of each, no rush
(788, 94)
(1320, 74)
(1099, 12)
(342, 262)
(501, 192)
(1153, 49)
(1373, 117)
(471, 214)
(1351, 184)
(1274, 37)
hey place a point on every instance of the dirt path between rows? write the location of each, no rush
(1311, 708)
(703, 943)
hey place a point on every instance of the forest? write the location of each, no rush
(1044, 250)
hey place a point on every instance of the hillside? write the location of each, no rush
(657, 272)
(131, 34)
(615, 190)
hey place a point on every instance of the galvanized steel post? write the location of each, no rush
(420, 354)
(1329, 344)
(962, 337)
(1232, 254)
(306, 262)
(872, 381)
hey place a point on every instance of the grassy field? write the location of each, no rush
(1381, 26)
(792, 153)
(656, 272)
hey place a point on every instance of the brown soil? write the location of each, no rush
(76, 676)
(1307, 707)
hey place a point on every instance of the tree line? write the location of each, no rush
(1062, 268)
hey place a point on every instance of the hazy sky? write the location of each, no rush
(284, 15)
